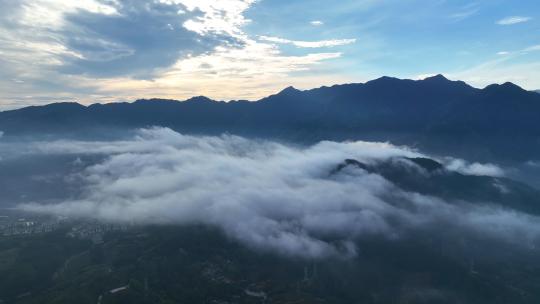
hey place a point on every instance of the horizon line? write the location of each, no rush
(434, 76)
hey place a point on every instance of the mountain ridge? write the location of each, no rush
(432, 79)
(436, 114)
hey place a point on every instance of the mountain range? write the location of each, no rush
(435, 114)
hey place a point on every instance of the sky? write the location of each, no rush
(92, 51)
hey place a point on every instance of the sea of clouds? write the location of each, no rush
(268, 195)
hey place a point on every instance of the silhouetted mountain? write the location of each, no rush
(436, 114)
(429, 177)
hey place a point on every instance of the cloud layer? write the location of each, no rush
(267, 195)
(101, 51)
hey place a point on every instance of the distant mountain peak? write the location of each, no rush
(199, 99)
(505, 87)
(289, 89)
(438, 77)
(66, 105)
(510, 85)
(152, 100)
(383, 79)
(383, 82)
(437, 82)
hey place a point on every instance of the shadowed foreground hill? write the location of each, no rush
(429, 177)
(442, 116)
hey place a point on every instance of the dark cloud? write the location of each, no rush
(135, 41)
(142, 37)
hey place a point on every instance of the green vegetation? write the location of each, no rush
(200, 265)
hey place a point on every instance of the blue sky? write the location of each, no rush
(117, 50)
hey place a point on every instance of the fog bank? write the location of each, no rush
(268, 195)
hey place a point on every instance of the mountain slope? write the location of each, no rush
(429, 177)
(435, 114)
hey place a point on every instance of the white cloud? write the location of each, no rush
(50, 13)
(248, 72)
(513, 20)
(251, 60)
(33, 40)
(309, 44)
(35, 51)
(466, 12)
(525, 51)
(224, 16)
(267, 195)
(478, 169)
(534, 48)
(424, 76)
(316, 23)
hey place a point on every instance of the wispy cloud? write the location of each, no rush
(317, 23)
(534, 48)
(504, 68)
(478, 169)
(513, 20)
(309, 44)
(466, 12)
